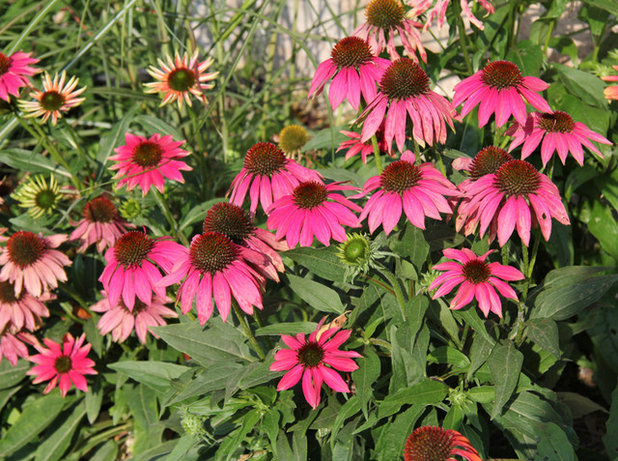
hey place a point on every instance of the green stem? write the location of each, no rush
(26, 32)
(461, 27)
(548, 37)
(243, 323)
(168, 215)
(401, 302)
(376, 152)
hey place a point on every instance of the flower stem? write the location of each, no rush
(461, 27)
(243, 323)
(168, 215)
(376, 152)
(401, 302)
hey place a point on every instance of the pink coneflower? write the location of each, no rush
(234, 222)
(66, 362)
(180, 78)
(611, 92)
(267, 175)
(216, 266)
(132, 270)
(101, 225)
(14, 73)
(23, 310)
(500, 89)
(439, 11)
(308, 358)
(418, 191)
(11, 345)
(476, 279)
(558, 133)
(355, 69)
(404, 90)
(57, 96)
(29, 261)
(313, 209)
(517, 195)
(121, 321)
(432, 443)
(147, 162)
(387, 19)
(355, 146)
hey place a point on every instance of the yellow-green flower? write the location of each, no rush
(292, 138)
(38, 196)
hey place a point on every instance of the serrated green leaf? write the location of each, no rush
(553, 444)
(93, 399)
(54, 446)
(482, 394)
(587, 86)
(288, 328)
(411, 244)
(213, 378)
(24, 160)
(152, 373)
(527, 56)
(544, 332)
(426, 392)
(365, 376)
(349, 409)
(315, 294)
(392, 440)
(480, 350)
(323, 262)
(107, 451)
(447, 354)
(11, 375)
(608, 6)
(505, 363)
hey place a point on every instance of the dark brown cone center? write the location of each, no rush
(400, 176)
(501, 75)
(212, 252)
(310, 354)
(265, 159)
(25, 248)
(404, 79)
(517, 177)
(310, 194)
(133, 248)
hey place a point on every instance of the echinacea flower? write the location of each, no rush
(432, 443)
(216, 266)
(387, 19)
(14, 72)
(65, 363)
(418, 191)
(234, 222)
(517, 195)
(148, 161)
(404, 91)
(611, 92)
(267, 175)
(500, 89)
(101, 225)
(439, 11)
(133, 267)
(359, 254)
(121, 321)
(292, 138)
(181, 77)
(11, 345)
(37, 196)
(313, 210)
(315, 360)
(21, 311)
(476, 279)
(355, 146)
(556, 132)
(355, 70)
(57, 96)
(30, 261)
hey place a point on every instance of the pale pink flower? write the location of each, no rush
(556, 132)
(434, 443)
(355, 69)
(611, 92)
(101, 225)
(387, 19)
(11, 345)
(133, 267)
(14, 73)
(315, 360)
(121, 321)
(267, 175)
(476, 279)
(180, 78)
(23, 310)
(30, 261)
(439, 11)
(500, 89)
(418, 191)
(216, 266)
(313, 210)
(517, 195)
(404, 91)
(147, 162)
(234, 222)
(355, 146)
(66, 362)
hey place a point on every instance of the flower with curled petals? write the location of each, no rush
(476, 279)
(217, 267)
(439, 11)
(147, 162)
(315, 361)
(418, 191)
(556, 132)
(355, 70)
(181, 77)
(313, 210)
(432, 443)
(500, 89)
(23, 310)
(31, 261)
(14, 72)
(11, 345)
(62, 364)
(267, 175)
(355, 146)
